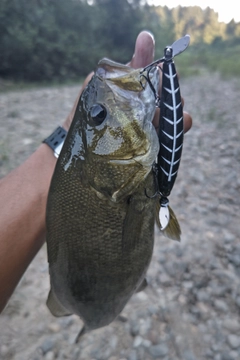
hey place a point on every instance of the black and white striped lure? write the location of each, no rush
(170, 126)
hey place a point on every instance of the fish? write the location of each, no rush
(99, 219)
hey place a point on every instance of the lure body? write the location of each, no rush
(170, 127)
(170, 131)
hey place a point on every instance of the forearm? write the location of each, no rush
(23, 195)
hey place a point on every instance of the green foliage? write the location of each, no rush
(52, 40)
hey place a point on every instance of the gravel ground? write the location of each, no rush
(191, 308)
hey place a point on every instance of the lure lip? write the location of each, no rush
(180, 45)
(177, 47)
(164, 217)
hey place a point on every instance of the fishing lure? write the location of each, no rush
(170, 131)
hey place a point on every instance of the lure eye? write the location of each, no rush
(98, 114)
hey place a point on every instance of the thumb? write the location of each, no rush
(144, 50)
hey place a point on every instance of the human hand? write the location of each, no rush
(143, 55)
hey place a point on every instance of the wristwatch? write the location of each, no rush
(56, 140)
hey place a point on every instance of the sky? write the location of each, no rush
(227, 10)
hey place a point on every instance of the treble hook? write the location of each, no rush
(155, 177)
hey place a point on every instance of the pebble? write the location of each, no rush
(165, 280)
(233, 341)
(134, 328)
(48, 345)
(234, 354)
(137, 341)
(146, 343)
(153, 309)
(235, 259)
(159, 350)
(49, 356)
(220, 305)
(237, 301)
(4, 350)
(54, 327)
(203, 296)
(231, 324)
(188, 355)
(133, 355)
(188, 284)
(225, 355)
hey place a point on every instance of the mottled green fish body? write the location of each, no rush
(100, 223)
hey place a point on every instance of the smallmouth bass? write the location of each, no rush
(100, 222)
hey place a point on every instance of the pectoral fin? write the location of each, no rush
(80, 334)
(143, 285)
(55, 307)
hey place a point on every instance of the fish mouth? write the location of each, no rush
(129, 158)
(146, 159)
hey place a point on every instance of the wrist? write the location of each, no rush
(56, 140)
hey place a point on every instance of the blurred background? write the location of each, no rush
(190, 309)
(46, 41)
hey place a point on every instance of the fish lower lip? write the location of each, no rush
(134, 159)
(123, 161)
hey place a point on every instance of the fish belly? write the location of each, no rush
(98, 251)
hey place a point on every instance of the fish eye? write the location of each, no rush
(98, 113)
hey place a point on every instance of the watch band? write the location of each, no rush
(56, 140)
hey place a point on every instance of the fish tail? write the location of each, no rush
(80, 334)
(173, 230)
(55, 307)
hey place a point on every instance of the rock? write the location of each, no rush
(203, 296)
(237, 301)
(224, 275)
(233, 341)
(146, 343)
(188, 355)
(54, 327)
(133, 355)
(232, 325)
(225, 355)
(66, 321)
(234, 354)
(215, 347)
(228, 237)
(144, 325)
(137, 341)
(235, 259)
(165, 280)
(220, 305)
(153, 309)
(4, 350)
(154, 336)
(141, 296)
(49, 356)
(187, 284)
(217, 290)
(48, 345)
(159, 350)
(113, 341)
(134, 327)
